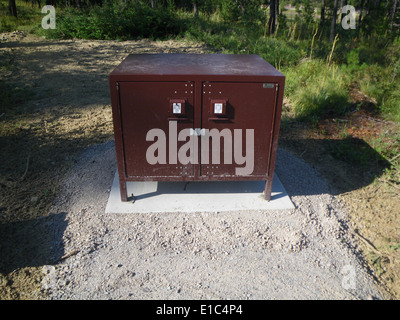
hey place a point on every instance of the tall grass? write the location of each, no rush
(382, 83)
(316, 90)
(240, 39)
(378, 76)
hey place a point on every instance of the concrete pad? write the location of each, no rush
(212, 196)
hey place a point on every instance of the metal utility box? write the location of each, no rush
(196, 117)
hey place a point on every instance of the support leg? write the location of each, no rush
(268, 190)
(123, 191)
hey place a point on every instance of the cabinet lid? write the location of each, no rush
(195, 64)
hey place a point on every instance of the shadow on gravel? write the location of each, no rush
(31, 243)
(346, 165)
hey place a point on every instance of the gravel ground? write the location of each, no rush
(304, 253)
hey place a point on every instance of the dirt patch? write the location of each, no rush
(341, 150)
(60, 106)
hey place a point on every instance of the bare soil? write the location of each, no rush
(62, 107)
(371, 198)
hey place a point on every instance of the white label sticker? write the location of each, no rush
(217, 107)
(176, 108)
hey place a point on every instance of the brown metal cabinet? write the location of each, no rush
(196, 117)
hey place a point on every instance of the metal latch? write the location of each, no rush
(268, 85)
(197, 132)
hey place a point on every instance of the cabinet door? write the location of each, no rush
(238, 121)
(152, 115)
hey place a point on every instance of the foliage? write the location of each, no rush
(230, 11)
(28, 18)
(307, 13)
(238, 38)
(378, 74)
(316, 90)
(116, 21)
(383, 85)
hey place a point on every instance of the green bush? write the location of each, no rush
(112, 21)
(239, 39)
(316, 90)
(230, 11)
(383, 84)
(278, 52)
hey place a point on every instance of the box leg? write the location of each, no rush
(268, 190)
(123, 191)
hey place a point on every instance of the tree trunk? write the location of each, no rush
(333, 23)
(393, 13)
(195, 9)
(276, 10)
(375, 9)
(271, 22)
(12, 8)
(322, 12)
(367, 7)
(361, 12)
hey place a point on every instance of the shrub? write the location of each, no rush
(316, 90)
(112, 21)
(278, 52)
(230, 11)
(383, 84)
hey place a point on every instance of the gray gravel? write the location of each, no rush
(305, 253)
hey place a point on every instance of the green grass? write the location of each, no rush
(388, 145)
(29, 18)
(113, 21)
(316, 90)
(383, 84)
(239, 38)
